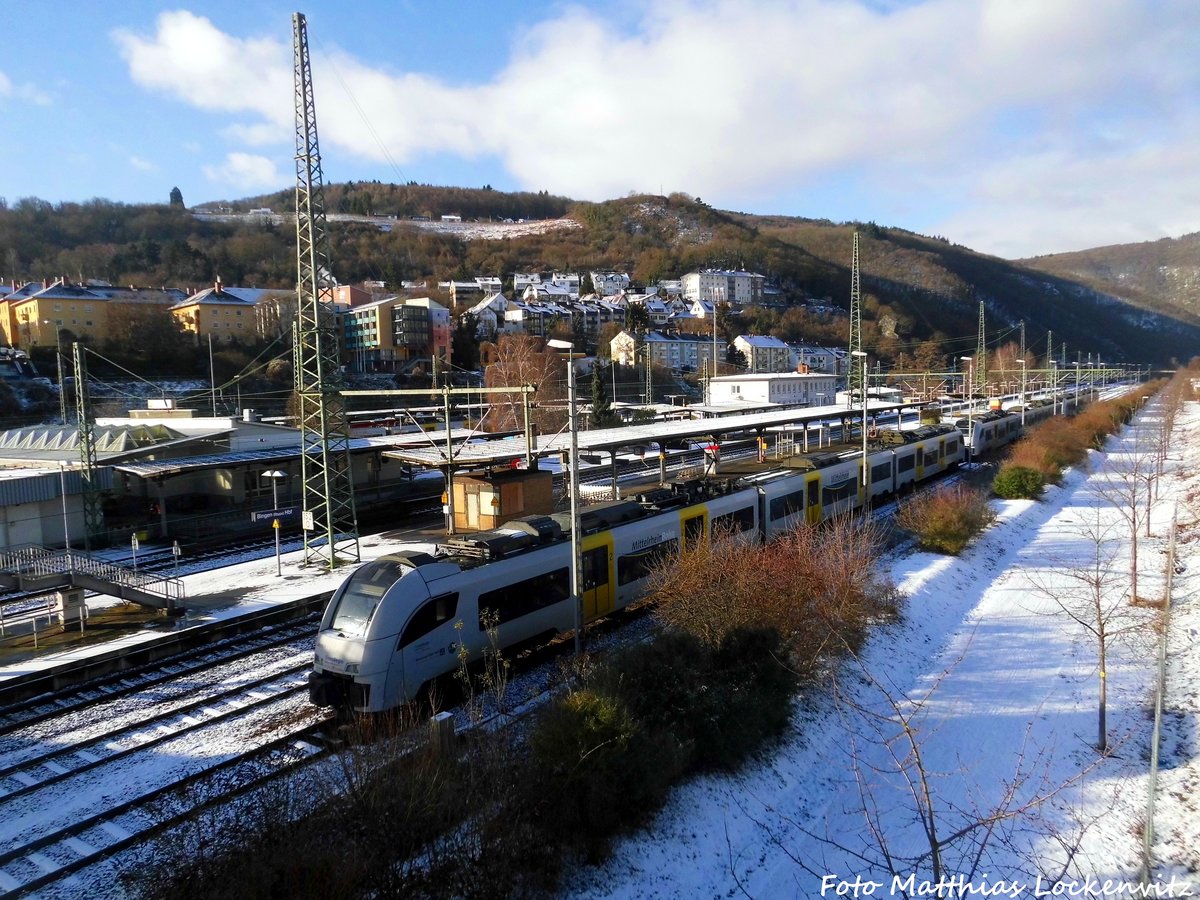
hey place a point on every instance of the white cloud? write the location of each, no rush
(191, 59)
(246, 172)
(996, 109)
(143, 165)
(25, 92)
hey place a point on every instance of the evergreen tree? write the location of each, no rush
(602, 412)
(176, 197)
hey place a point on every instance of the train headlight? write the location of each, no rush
(352, 668)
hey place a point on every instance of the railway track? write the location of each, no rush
(128, 682)
(118, 770)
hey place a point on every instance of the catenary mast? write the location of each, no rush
(854, 378)
(330, 522)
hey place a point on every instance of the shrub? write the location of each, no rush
(1018, 483)
(598, 768)
(817, 587)
(945, 521)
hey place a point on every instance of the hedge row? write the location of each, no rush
(1049, 448)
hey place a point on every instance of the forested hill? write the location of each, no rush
(919, 293)
(1164, 272)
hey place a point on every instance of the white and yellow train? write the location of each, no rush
(398, 622)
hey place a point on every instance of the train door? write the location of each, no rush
(812, 501)
(596, 575)
(693, 529)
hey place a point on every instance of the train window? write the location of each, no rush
(595, 568)
(693, 530)
(952, 446)
(813, 492)
(524, 597)
(840, 492)
(362, 594)
(431, 614)
(931, 458)
(635, 566)
(731, 523)
(787, 505)
(906, 463)
(881, 472)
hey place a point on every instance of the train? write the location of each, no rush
(405, 619)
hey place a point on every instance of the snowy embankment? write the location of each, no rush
(997, 679)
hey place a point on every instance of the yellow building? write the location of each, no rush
(217, 313)
(39, 315)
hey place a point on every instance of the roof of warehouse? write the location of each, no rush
(504, 451)
(154, 468)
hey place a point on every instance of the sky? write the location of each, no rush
(1014, 127)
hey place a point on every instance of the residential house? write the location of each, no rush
(764, 353)
(489, 316)
(668, 349)
(218, 314)
(807, 357)
(724, 286)
(609, 284)
(38, 314)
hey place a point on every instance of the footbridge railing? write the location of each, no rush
(33, 568)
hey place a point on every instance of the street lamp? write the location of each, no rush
(1021, 363)
(58, 365)
(573, 487)
(970, 392)
(275, 475)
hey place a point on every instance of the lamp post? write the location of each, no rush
(866, 481)
(58, 366)
(1021, 363)
(275, 475)
(1054, 388)
(62, 483)
(573, 488)
(970, 392)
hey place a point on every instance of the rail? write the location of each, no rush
(33, 562)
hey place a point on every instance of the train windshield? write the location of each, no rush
(362, 594)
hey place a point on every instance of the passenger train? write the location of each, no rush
(399, 622)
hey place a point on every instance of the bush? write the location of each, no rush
(1018, 483)
(607, 755)
(945, 521)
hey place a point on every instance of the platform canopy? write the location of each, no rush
(501, 452)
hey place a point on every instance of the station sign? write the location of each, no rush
(266, 515)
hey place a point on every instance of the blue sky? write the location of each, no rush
(1015, 127)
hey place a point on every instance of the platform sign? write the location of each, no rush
(267, 515)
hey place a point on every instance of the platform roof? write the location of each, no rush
(500, 452)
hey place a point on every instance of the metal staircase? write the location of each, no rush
(38, 570)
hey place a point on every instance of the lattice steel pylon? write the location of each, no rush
(980, 385)
(330, 521)
(854, 376)
(93, 507)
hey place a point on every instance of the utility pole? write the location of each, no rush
(329, 518)
(93, 508)
(854, 380)
(980, 364)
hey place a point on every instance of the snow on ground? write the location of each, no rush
(999, 686)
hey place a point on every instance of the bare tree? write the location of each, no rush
(522, 359)
(886, 733)
(1088, 587)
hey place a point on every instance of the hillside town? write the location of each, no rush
(673, 323)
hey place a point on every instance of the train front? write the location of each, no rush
(355, 666)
